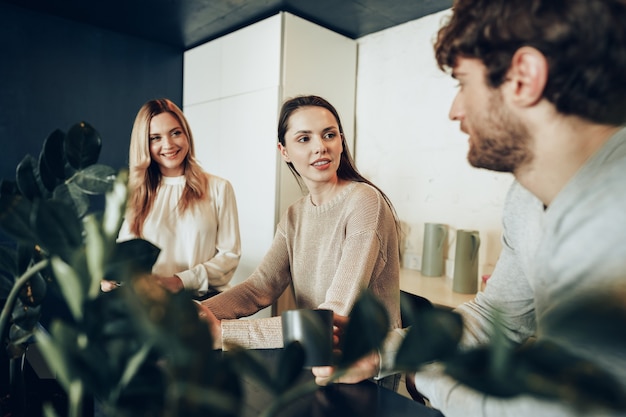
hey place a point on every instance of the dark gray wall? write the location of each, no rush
(56, 72)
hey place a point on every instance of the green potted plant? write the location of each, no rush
(137, 349)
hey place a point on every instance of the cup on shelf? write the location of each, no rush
(465, 278)
(435, 235)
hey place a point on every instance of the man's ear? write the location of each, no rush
(528, 75)
(283, 152)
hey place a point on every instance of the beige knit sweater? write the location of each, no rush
(330, 253)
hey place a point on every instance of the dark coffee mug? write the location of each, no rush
(313, 329)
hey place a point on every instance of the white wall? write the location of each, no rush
(232, 90)
(406, 144)
(231, 96)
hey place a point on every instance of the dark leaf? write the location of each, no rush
(53, 154)
(15, 213)
(72, 195)
(366, 330)
(82, 146)
(8, 261)
(8, 188)
(289, 366)
(16, 350)
(95, 179)
(542, 369)
(596, 318)
(473, 368)
(33, 291)
(46, 176)
(411, 306)
(26, 316)
(27, 254)
(246, 362)
(433, 335)
(180, 335)
(19, 335)
(26, 178)
(59, 229)
(548, 370)
(130, 258)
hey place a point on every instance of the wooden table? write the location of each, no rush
(436, 289)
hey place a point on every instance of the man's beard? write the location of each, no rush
(500, 141)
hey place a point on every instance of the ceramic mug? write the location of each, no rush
(465, 278)
(313, 329)
(435, 235)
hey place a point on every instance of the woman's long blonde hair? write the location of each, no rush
(145, 175)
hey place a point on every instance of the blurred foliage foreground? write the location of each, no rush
(140, 351)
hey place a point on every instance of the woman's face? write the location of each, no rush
(168, 144)
(313, 144)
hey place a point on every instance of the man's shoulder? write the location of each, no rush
(520, 202)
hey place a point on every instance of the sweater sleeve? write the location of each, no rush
(509, 293)
(258, 291)
(217, 271)
(454, 399)
(369, 257)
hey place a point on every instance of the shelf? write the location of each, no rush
(438, 290)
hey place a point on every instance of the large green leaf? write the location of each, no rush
(97, 253)
(59, 230)
(82, 145)
(115, 206)
(74, 196)
(95, 179)
(15, 213)
(26, 178)
(366, 330)
(71, 287)
(53, 153)
(54, 349)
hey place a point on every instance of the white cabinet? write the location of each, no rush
(232, 91)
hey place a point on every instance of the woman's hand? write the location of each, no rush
(215, 325)
(365, 368)
(339, 325)
(172, 284)
(106, 285)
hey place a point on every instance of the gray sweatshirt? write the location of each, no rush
(573, 248)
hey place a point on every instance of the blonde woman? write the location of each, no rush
(189, 214)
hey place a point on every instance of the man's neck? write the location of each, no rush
(561, 148)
